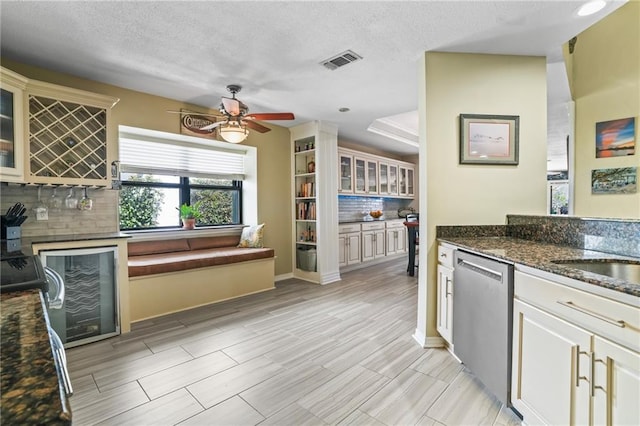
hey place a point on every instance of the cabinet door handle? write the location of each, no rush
(569, 304)
(593, 375)
(447, 281)
(575, 350)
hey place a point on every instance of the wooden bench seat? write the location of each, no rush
(173, 275)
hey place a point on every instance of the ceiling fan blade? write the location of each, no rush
(255, 126)
(266, 116)
(231, 105)
(212, 125)
(185, 112)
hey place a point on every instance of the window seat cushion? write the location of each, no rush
(159, 263)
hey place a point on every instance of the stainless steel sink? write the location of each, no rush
(627, 270)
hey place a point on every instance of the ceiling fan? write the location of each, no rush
(236, 118)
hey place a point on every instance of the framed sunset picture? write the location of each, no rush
(616, 138)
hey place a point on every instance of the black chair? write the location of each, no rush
(413, 240)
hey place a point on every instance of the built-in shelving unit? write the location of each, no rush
(314, 181)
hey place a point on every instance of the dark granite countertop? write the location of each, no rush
(541, 255)
(31, 391)
(345, 222)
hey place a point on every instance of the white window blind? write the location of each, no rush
(140, 153)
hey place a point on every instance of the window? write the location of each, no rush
(158, 175)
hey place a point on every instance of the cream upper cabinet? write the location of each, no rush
(393, 179)
(360, 175)
(410, 182)
(12, 141)
(402, 181)
(372, 177)
(383, 178)
(70, 141)
(366, 174)
(346, 173)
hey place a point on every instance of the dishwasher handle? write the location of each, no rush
(490, 273)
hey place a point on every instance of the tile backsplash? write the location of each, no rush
(103, 217)
(352, 208)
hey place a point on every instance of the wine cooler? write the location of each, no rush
(90, 308)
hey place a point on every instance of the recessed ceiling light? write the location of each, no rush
(591, 7)
(344, 109)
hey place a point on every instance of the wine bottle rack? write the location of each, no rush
(67, 140)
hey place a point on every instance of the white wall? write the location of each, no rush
(454, 194)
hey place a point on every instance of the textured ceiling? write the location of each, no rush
(190, 51)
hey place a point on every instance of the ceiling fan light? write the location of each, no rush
(233, 132)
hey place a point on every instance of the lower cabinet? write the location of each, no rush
(396, 238)
(563, 371)
(444, 323)
(550, 365)
(616, 384)
(373, 244)
(349, 248)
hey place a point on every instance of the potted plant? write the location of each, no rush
(189, 215)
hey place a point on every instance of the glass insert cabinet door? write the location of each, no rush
(384, 178)
(7, 130)
(360, 174)
(393, 179)
(410, 182)
(403, 181)
(372, 177)
(90, 308)
(346, 173)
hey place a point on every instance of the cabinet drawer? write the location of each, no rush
(372, 226)
(609, 318)
(394, 223)
(352, 227)
(445, 255)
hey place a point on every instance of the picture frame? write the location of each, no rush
(489, 139)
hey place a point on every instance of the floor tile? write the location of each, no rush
(465, 402)
(100, 407)
(335, 400)
(234, 380)
(233, 411)
(167, 410)
(405, 399)
(118, 373)
(181, 375)
(283, 389)
(293, 415)
(438, 363)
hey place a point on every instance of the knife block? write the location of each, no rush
(8, 232)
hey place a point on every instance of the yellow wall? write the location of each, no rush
(454, 194)
(605, 75)
(147, 111)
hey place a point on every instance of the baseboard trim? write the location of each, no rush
(283, 277)
(429, 342)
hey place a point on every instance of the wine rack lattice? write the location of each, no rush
(67, 140)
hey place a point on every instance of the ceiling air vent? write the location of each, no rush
(341, 60)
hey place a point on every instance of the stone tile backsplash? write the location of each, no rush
(617, 236)
(103, 217)
(352, 208)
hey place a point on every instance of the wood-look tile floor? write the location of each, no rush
(301, 354)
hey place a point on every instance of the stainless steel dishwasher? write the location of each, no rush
(482, 320)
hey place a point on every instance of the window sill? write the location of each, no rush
(175, 233)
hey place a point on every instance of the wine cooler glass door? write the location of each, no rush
(90, 309)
